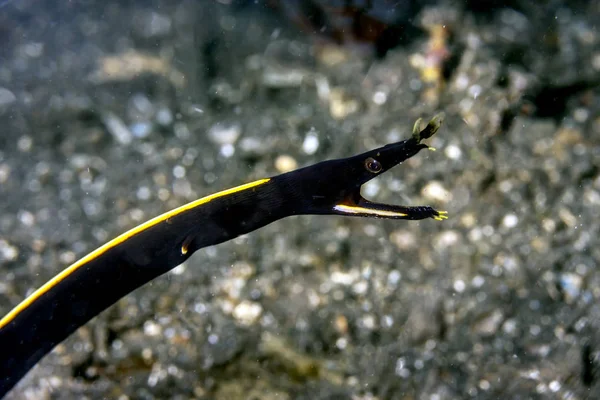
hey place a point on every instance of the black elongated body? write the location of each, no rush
(98, 280)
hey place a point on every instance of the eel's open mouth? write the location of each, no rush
(385, 158)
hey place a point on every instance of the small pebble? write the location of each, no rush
(252, 145)
(181, 131)
(227, 150)
(274, 77)
(510, 220)
(489, 324)
(341, 105)
(8, 252)
(447, 239)
(360, 287)
(370, 189)
(341, 343)
(33, 49)
(25, 143)
(571, 286)
(394, 277)
(341, 324)
(67, 257)
(4, 172)
(368, 321)
(379, 98)
(459, 286)
(285, 163)
(164, 117)
(140, 129)
(311, 143)
(140, 105)
(26, 218)
(179, 171)
(554, 386)
(143, 193)
(404, 239)
(247, 312)
(117, 128)
(224, 133)
(435, 191)
(151, 328)
(153, 24)
(6, 97)
(343, 278)
(453, 152)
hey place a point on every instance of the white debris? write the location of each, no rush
(117, 128)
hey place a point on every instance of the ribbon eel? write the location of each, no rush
(86, 288)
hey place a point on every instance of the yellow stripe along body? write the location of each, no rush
(119, 239)
(105, 275)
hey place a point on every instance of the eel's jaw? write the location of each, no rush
(359, 211)
(365, 208)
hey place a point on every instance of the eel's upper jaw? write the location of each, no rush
(365, 208)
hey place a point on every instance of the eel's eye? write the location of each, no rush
(372, 165)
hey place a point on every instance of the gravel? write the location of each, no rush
(114, 112)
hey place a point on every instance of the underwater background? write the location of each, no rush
(112, 112)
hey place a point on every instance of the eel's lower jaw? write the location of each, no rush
(366, 208)
(359, 211)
